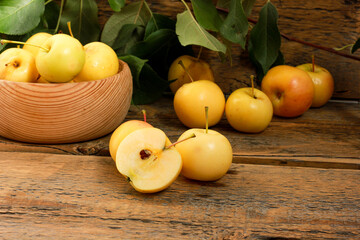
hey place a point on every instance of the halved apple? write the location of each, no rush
(145, 161)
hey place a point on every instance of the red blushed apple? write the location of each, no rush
(323, 83)
(289, 89)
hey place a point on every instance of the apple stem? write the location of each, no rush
(69, 27)
(144, 114)
(252, 86)
(187, 72)
(199, 54)
(3, 41)
(171, 145)
(313, 62)
(206, 119)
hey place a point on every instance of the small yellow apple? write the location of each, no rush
(145, 161)
(60, 58)
(18, 65)
(101, 62)
(207, 156)
(191, 99)
(323, 83)
(34, 41)
(248, 110)
(198, 70)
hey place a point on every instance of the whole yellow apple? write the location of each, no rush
(289, 89)
(248, 110)
(60, 58)
(198, 69)
(145, 161)
(34, 41)
(18, 65)
(191, 99)
(101, 62)
(122, 131)
(323, 83)
(206, 157)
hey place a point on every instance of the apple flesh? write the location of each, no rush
(323, 83)
(190, 101)
(289, 89)
(198, 70)
(101, 62)
(144, 160)
(206, 157)
(248, 113)
(18, 65)
(36, 40)
(60, 59)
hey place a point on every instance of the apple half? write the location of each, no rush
(145, 161)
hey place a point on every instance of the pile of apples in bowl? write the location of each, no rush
(55, 90)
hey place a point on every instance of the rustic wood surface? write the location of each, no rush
(322, 137)
(330, 24)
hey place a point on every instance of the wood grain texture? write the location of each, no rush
(330, 24)
(46, 196)
(326, 137)
(67, 112)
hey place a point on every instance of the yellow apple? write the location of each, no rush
(207, 156)
(18, 65)
(289, 89)
(34, 41)
(60, 58)
(145, 161)
(191, 98)
(248, 110)
(101, 62)
(198, 70)
(122, 131)
(323, 83)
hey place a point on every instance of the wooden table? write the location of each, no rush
(299, 179)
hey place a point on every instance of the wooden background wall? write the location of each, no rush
(328, 23)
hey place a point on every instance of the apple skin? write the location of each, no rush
(64, 60)
(37, 39)
(323, 83)
(101, 62)
(18, 65)
(246, 113)
(206, 157)
(289, 89)
(198, 69)
(190, 101)
(122, 131)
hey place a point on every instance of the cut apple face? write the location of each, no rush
(145, 161)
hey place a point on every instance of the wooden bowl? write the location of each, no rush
(64, 112)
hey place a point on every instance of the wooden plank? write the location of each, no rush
(322, 137)
(329, 24)
(49, 196)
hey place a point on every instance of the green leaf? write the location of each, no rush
(265, 38)
(191, 33)
(247, 5)
(84, 20)
(135, 13)
(206, 14)
(158, 22)
(17, 17)
(236, 25)
(128, 36)
(148, 86)
(116, 5)
(51, 15)
(356, 46)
